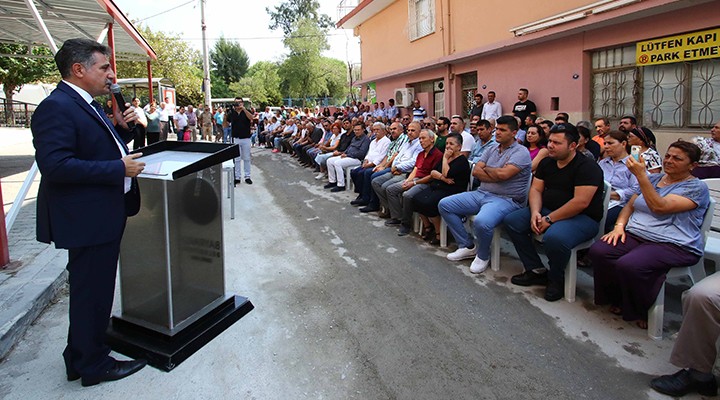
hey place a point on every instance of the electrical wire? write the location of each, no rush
(167, 11)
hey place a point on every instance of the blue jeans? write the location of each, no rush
(226, 134)
(558, 240)
(489, 211)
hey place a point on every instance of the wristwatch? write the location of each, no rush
(548, 220)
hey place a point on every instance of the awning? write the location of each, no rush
(67, 19)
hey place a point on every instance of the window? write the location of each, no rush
(678, 95)
(421, 18)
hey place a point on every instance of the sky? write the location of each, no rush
(244, 21)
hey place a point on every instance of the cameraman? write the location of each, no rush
(240, 120)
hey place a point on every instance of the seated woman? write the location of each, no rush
(326, 151)
(623, 183)
(586, 145)
(644, 138)
(449, 177)
(710, 158)
(536, 143)
(658, 229)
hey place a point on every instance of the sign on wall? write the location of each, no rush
(371, 93)
(672, 49)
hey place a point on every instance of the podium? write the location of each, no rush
(172, 280)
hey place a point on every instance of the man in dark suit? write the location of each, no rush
(87, 190)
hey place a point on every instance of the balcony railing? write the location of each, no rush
(344, 8)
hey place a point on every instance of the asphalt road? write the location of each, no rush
(347, 309)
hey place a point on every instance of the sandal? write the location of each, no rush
(436, 241)
(615, 310)
(428, 233)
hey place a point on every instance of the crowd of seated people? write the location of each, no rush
(548, 184)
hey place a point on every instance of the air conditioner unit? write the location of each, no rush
(439, 86)
(404, 97)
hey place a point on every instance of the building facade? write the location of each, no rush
(658, 60)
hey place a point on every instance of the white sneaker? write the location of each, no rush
(461, 253)
(478, 265)
(320, 176)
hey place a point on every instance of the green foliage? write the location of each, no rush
(305, 72)
(262, 85)
(229, 61)
(176, 61)
(220, 89)
(17, 71)
(287, 14)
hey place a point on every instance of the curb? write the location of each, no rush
(28, 293)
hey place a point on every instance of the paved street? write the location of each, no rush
(344, 308)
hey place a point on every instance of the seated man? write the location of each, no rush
(356, 151)
(695, 348)
(565, 206)
(503, 170)
(402, 165)
(375, 155)
(363, 183)
(400, 194)
(316, 137)
(289, 130)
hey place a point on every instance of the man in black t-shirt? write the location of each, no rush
(240, 120)
(478, 107)
(524, 107)
(565, 205)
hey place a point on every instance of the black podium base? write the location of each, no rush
(167, 352)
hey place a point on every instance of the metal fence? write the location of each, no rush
(18, 115)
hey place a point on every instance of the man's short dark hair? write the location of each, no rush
(508, 120)
(75, 51)
(524, 90)
(484, 123)
(563, 116)
(492, 91)
(360, 124)
(632, 119)
(445, 120)
(478, 94)
(568, 129)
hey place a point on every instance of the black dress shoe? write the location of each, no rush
(403, 230)
(248, 181)
(529, 278)
(119, 370)
(338, 189)
(368, 209)
(72, 375)
(681, 383)
(330, 185)
(392, 221)
(237, 181)
(359, 203)
(554, 291)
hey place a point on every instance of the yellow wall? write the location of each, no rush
(460, 25)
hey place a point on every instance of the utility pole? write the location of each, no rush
(206, 58)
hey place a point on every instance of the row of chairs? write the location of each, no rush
(711, 235)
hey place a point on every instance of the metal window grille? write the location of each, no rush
(421, 18)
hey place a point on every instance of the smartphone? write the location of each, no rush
(635, 152)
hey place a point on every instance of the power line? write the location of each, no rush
(166, 11)
(265, 37)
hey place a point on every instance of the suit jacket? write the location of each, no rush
(81, 200)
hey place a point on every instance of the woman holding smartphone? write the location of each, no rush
(658, 229)
(623, 183)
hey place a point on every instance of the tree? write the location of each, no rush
(176, 61)
(301, 68)
(287, 14)
(17, 71)
(261, 85)
(268, 73)
(229, 61)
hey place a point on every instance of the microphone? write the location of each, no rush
(115, 90)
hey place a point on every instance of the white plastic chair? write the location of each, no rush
(695, 272)
(571, 268)
(712, 246)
